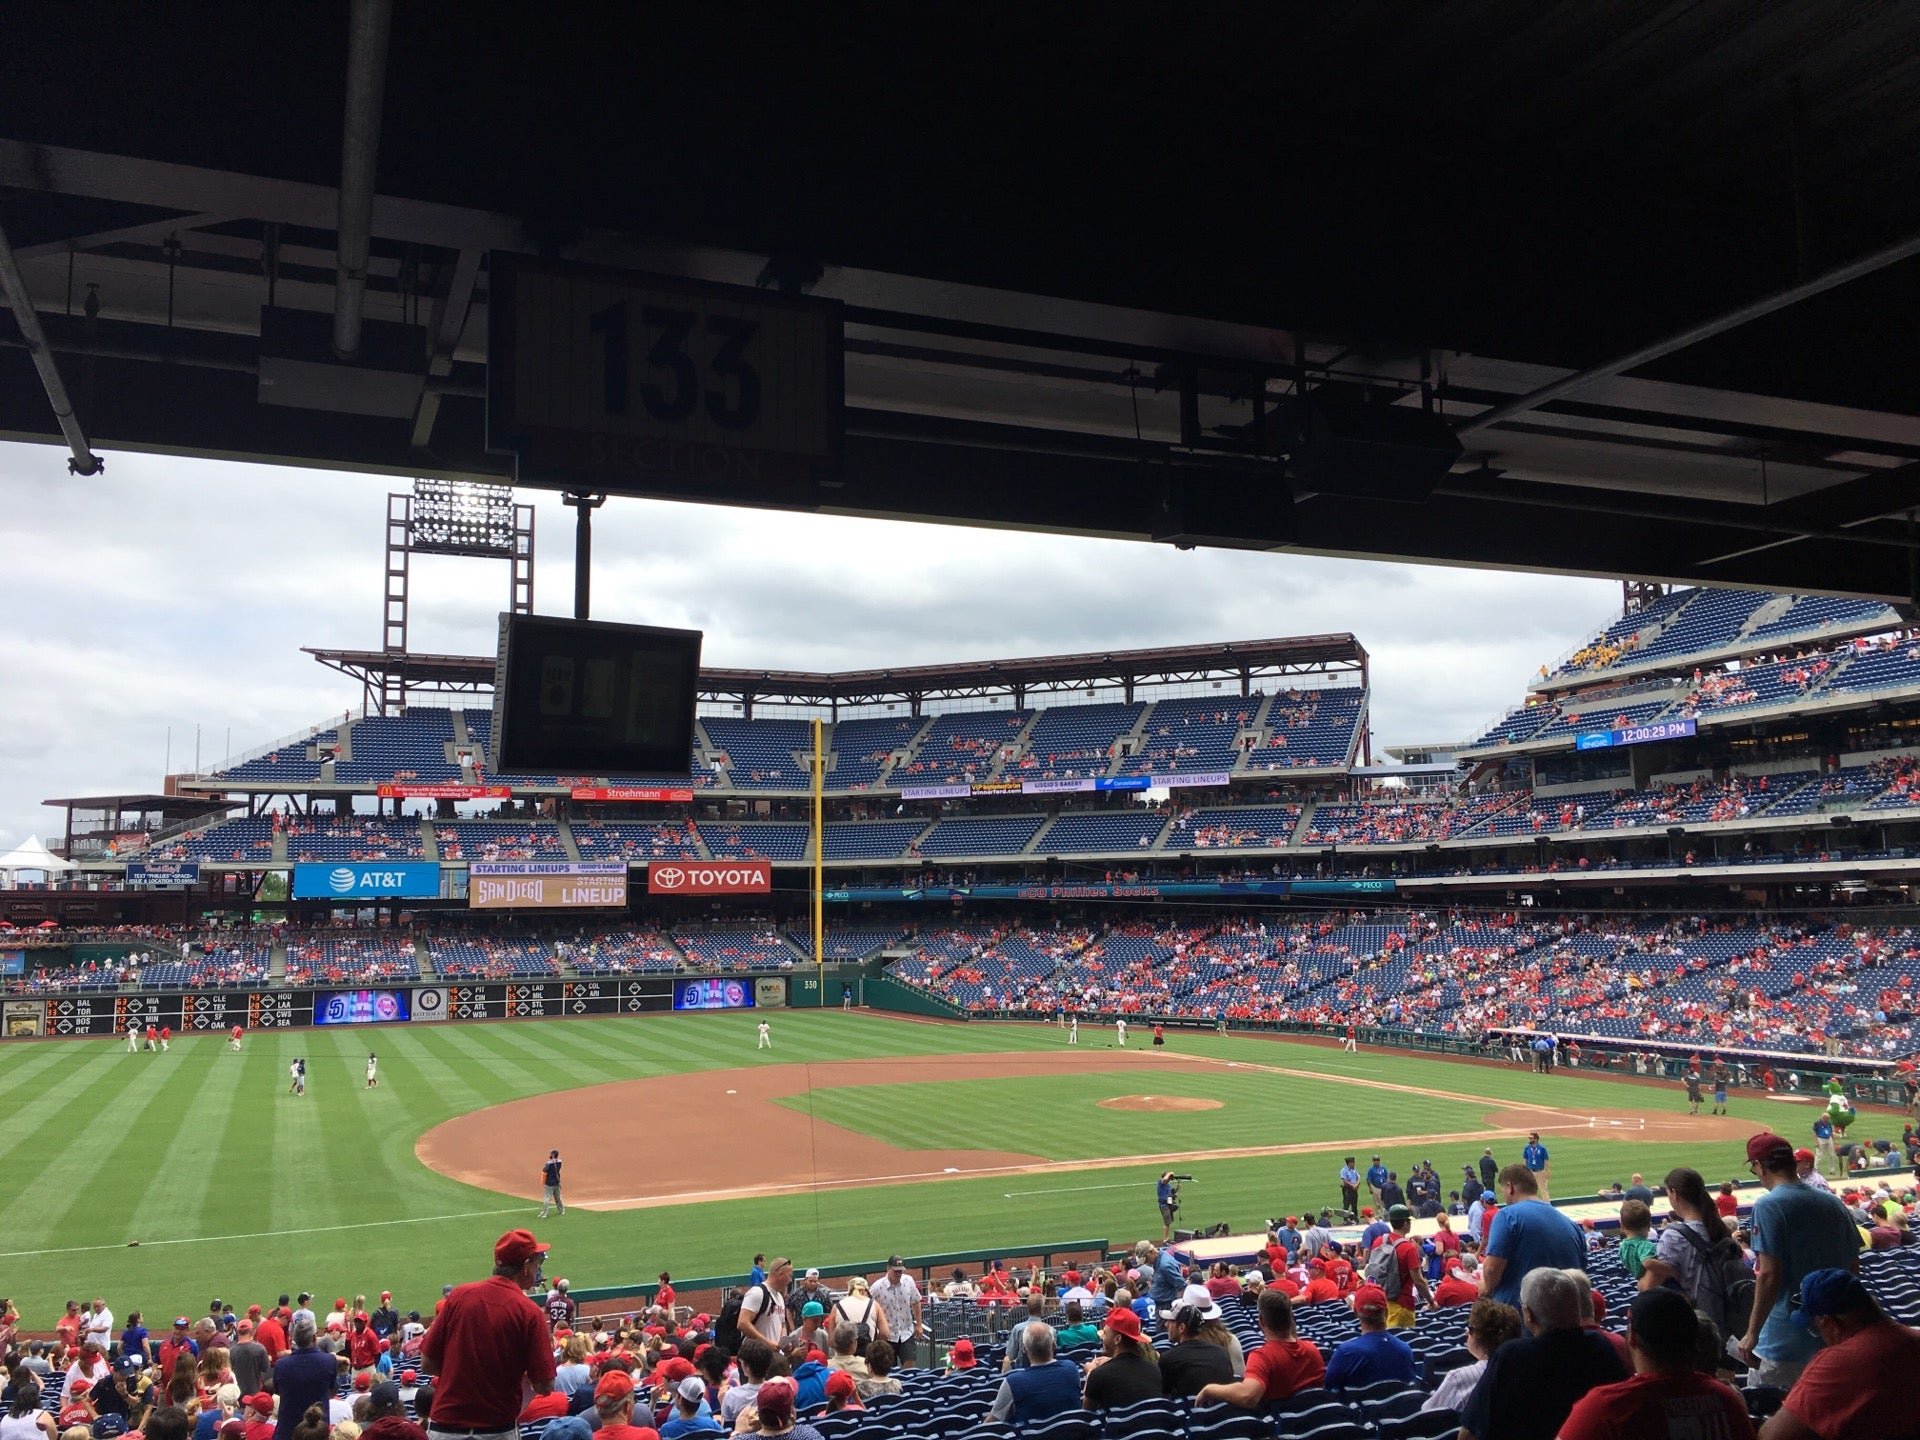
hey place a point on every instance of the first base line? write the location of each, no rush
(261, 1234)
(1070, 1190)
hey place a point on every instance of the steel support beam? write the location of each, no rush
(368, 31)
(1681, 339)
(84, 461)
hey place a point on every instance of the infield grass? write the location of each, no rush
(161, 1181)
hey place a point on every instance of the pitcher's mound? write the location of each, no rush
(1159, 1103)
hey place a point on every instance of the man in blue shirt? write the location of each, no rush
(1376, 1177)
(1796, 1230)
(1166, 1196)
(1535, 1158)
(1528, 1234)
(1823, 1154)
(1350, 1189)
(1373, 1354)
(302, 1377)
(1169, 1277)
(1045, 1387)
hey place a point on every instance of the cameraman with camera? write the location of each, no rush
(1166, 1194)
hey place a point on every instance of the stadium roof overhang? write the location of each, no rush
(1664, 307)
(1245, 660)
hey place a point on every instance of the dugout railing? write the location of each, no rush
(706, 1293)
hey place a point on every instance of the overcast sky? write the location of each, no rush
(177, 593)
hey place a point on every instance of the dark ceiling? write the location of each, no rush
(1452, 204)
(1554, 181)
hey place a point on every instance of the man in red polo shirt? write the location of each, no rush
(271, 1333)
(488, 1342)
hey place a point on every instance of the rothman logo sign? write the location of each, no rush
(696, 877)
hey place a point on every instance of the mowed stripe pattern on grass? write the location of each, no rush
(102, 1148)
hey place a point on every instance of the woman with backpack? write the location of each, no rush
(1698, 1255)
(860, 1310)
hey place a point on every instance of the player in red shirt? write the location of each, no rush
(166, 1034)
(153, 1037)
(488, 1338)
(1282, 1366)
(233, 1040)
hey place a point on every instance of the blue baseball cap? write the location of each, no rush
(1830, 1292)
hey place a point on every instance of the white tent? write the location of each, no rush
(34, 855)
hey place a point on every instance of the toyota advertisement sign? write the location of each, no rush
(546, 885)
(709, 877)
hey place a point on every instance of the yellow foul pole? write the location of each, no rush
(819, 847)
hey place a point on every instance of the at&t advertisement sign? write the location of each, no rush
(368, 880)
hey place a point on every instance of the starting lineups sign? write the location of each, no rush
(546, 885)
(644, 384)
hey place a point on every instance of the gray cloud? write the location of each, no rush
(177, 593)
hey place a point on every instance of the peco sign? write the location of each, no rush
(700, 877)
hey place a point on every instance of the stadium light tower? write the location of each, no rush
(449, 517)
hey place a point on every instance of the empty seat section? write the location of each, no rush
(231, 842)
(762, 754)
(410, 747)
(871, 840)
(774, 841)
(1104, 833)
(981, 835)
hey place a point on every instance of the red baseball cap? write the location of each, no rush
(516, 1247)
(616, 1383)
(960, 1353)
(260, 1401)
(1806, 1155)
(672, 1370)
(1370, 1297)
(363, 1381)
(1767, 1145)
(1123, 1321)
(840, 1385)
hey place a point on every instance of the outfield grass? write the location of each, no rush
(233, 1188)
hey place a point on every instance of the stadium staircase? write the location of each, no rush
(901, 751)
(1129, 741)
(277, 963)
(429, 841)
(423, 959)
(1259, 730)
(1017, 746)
(567, 842)
(280, 856)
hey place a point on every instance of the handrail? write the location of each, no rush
(1044, 1252)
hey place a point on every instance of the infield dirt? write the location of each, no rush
(719, 1134)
